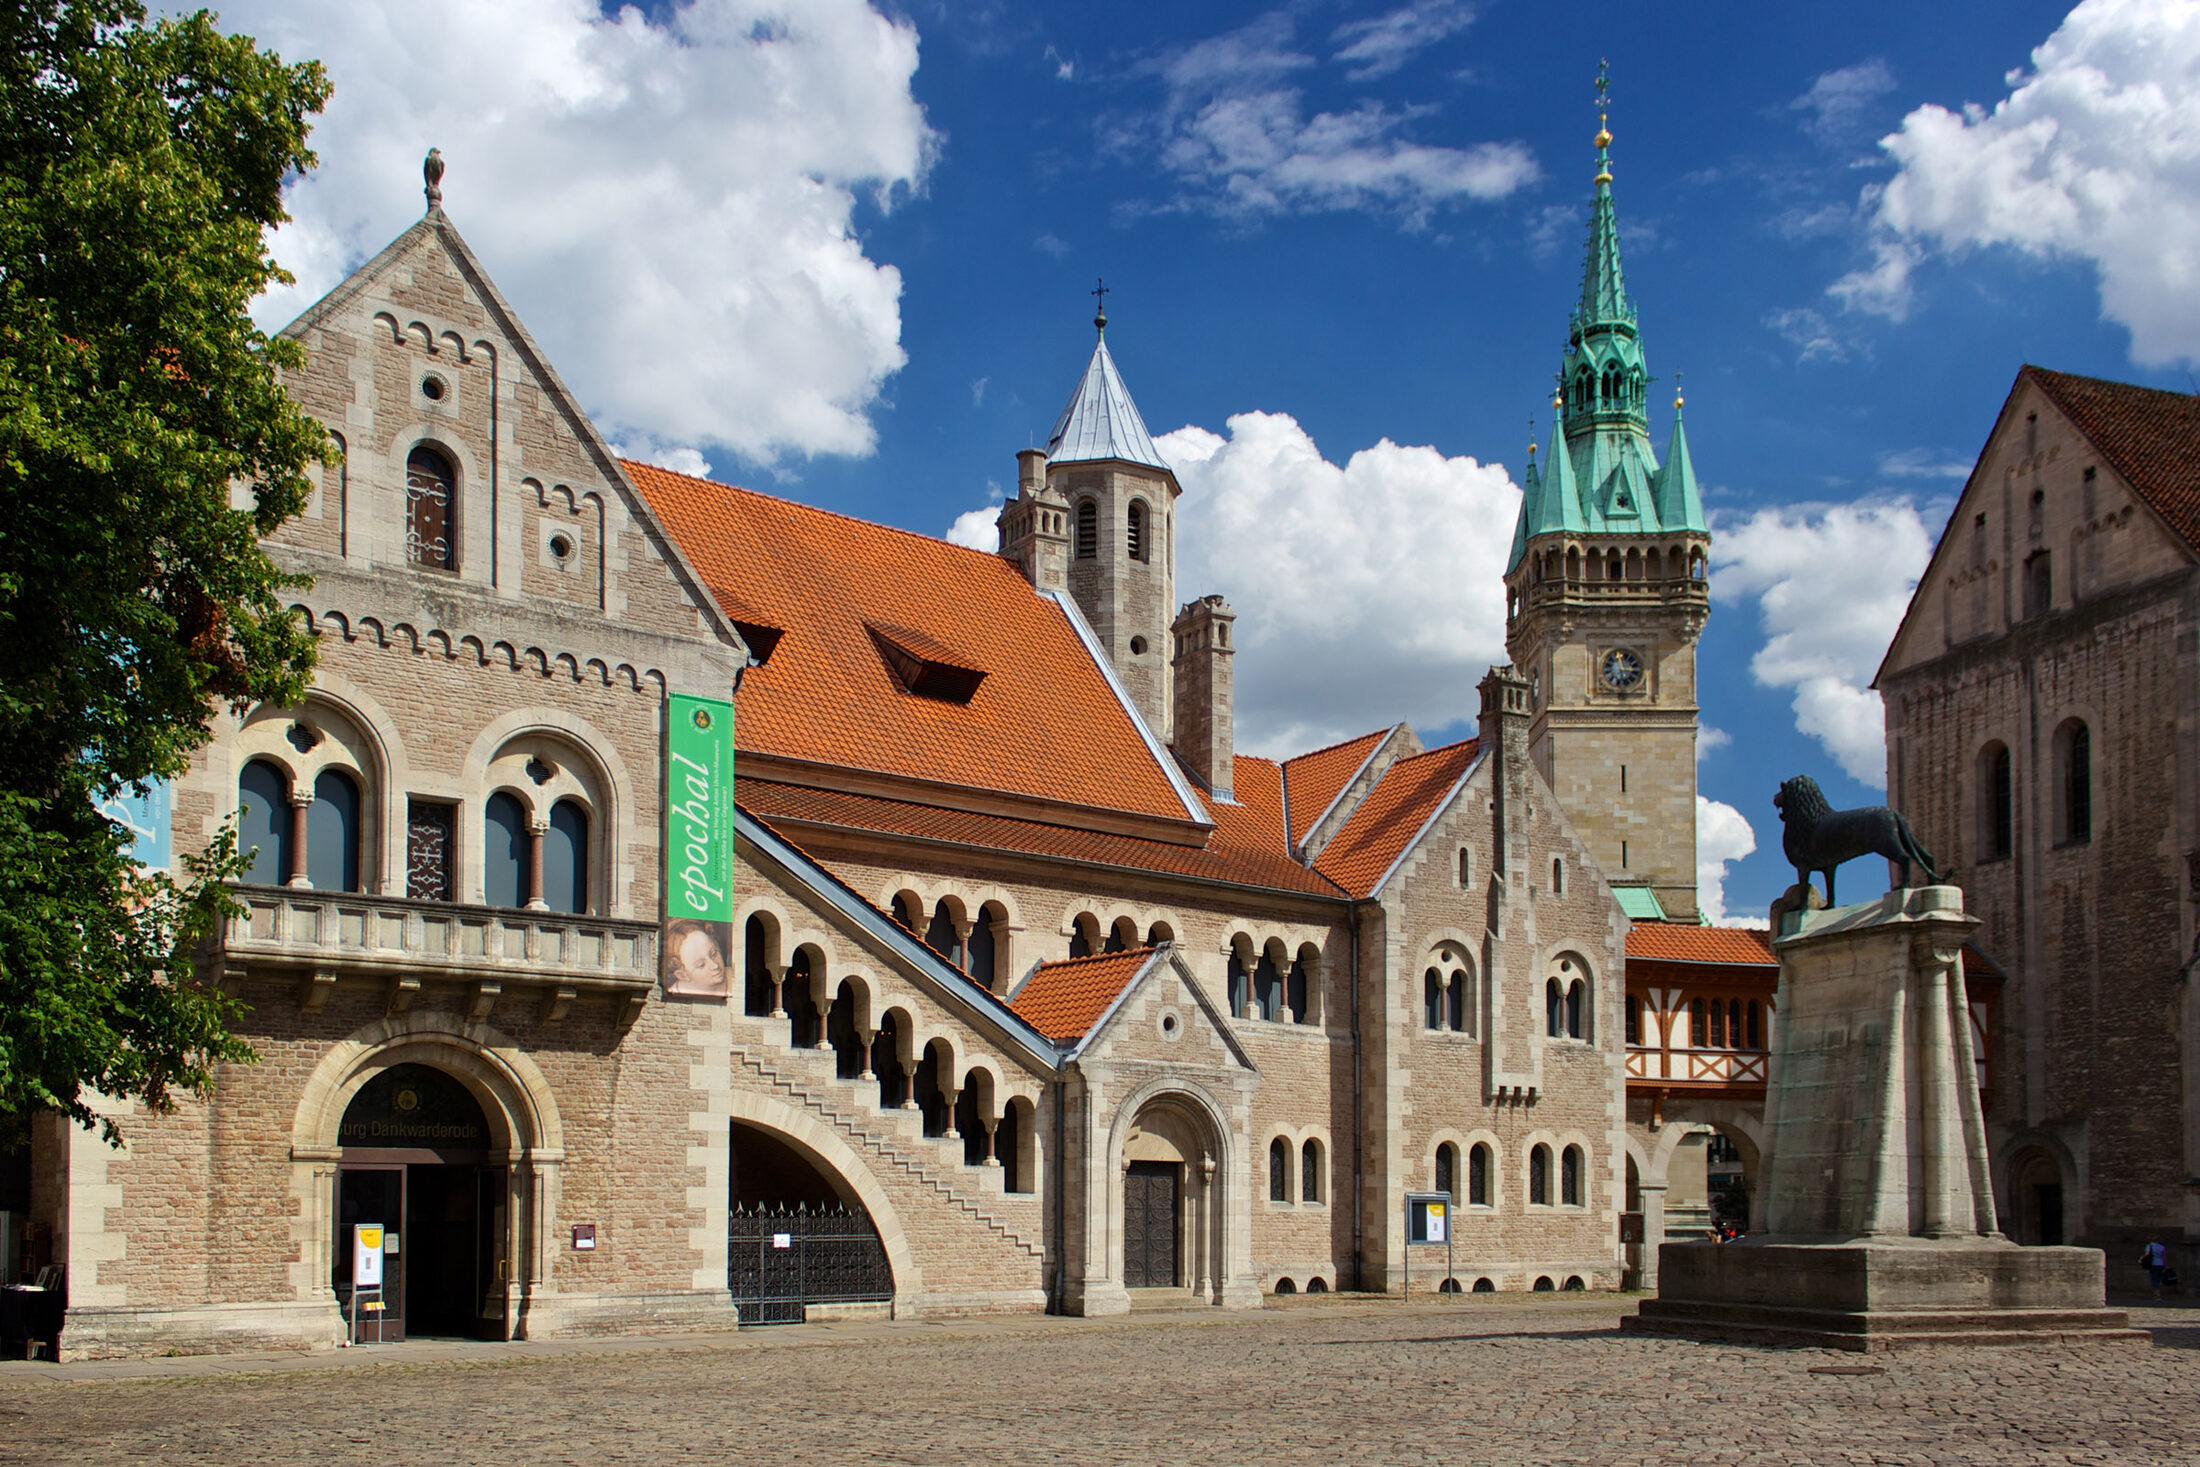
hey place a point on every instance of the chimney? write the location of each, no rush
(1034, 525)
(1205, 738)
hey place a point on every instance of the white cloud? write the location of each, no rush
(1723, 836)
(1710, 740)
(1366, 592)
(1838, 100)
(1051, 245)
(977, 391)
(668, 202)
(2092, 156)
(1921, 463)
(1831, 584)
(1234, 134)
(687, 461)
(1377, 47)
(977, 528)
(1810, 333)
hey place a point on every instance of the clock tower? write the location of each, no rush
(1606, 596)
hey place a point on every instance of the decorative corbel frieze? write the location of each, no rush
(556, 1003)
(485, 999)
(314, 991)
(403, 990)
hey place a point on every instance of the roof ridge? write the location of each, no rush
(1331, 748)
(1128, 952)
(818, 509)
(1466, 743)
(2056, 372)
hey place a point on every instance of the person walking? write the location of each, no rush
(2156, 1258)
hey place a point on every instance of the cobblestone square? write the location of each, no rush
(1481, 1380)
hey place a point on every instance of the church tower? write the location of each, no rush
(1103, 479)
(1606, 595)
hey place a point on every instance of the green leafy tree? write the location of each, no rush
(146, 445)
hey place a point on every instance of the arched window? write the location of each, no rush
(1569, 1176)
(2074, 775)
(983, 960)
(1237, 982)
(1716, 1039)
(1756, 1012)
(1577, 1010)
(1432, 993)
(565, 858)
(332, 833)
(1120, 937)
(504, 846)
(1268, 988)
(1539, 1176)
(1138, 529)
(941, 936)
(1697, 1033)
(756, 973)
(1447, 1170)
(1466, 867)
(1478, 1176)
(1634, 1019)
(1310, 1172)
(1279, 1170)
(1554, 1010)
(1294, 992)
(430, 488)
(1456, 1002)
(1084, 933)
(263, 822)
(1997, 828)
(906, 913)
(1558, 876)
(1088, 529)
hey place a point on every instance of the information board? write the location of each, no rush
(366, 1256)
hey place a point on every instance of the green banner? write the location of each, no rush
(698, 852)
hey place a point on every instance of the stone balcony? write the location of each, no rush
(326, 938)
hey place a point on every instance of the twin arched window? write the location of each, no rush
(517, 872)
(1313, 1176)
(268, 828)
(1567, 1007)
(1444, 1000)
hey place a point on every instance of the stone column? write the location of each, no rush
(779, 987)
(1653, 1231)
(300, 802)
(536, 830)
(1204, 1288)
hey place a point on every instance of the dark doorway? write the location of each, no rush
(2048, 1213)
(1150, 1220)
(794, 1238)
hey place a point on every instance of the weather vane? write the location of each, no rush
(1604, 85)
(1100, 313)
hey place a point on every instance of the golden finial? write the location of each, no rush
(1531, 437)
(1604, 114)
(1677, 390)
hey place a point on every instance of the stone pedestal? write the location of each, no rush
(1878, 1208)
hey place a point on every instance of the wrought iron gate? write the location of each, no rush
(780, 1259)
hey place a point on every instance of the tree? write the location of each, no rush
(146, 445)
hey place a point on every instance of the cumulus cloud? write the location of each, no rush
(1922, 463)
(1366, 591)
(1379, 46)
(2092, 156)
(689, 461)
(1838, 100)
(977, 528)
(1831, 584)
(1723, 836)
(1233, 132)
(667, 199)
(1810, 333)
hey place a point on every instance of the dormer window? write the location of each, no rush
(926, 667)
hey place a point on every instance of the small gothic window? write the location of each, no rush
(2074, 745)
(1466, 867)
(1432, 993)
(1279, 1170)
(1478, 1176)
(1569, 1177)
(1756, 1024)
(1310, 1172)
(2039, 584)
(1447, 1169)
(1697, 1033)
(1088, 529)
(1138, 530)
(1997, 814)
(1237, 981)
(1558, 877)
(1456, 1005)
(1577, 1005)
(1539, 1176)
(430, 487)
(1554, 1005)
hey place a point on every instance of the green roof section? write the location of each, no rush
(1602, 477)
(1640, 903)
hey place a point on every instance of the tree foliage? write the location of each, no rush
(146, 445)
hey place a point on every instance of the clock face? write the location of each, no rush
(1622, 669)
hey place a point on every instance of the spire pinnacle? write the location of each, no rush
(1099, 293)
(1604, 122)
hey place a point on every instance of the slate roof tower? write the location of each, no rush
(1606, 596)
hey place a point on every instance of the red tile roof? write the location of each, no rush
(2149, 437)
(1246, 848)
(1391, 815)
(1043, 723)
(1680, 942)
(1064, 1000)
(1316, 779)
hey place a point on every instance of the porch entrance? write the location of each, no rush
(1152, 1222)
(796, 1238)
(414, 1161)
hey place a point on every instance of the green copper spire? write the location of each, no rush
(1602, 476)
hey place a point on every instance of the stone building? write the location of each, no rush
(2041, 739)
(1034, 993)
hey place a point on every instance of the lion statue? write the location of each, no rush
(1817, 837)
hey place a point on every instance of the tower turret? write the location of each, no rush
(1605, 589)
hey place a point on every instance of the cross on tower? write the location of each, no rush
(1100, 312)
(1604, 85)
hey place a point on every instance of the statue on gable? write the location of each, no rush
(1816, 837)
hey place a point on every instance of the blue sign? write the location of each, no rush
(146, 813)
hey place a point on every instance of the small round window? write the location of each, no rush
(1138, 646)
(433, 388)
(561, 546)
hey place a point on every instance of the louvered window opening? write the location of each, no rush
(1088, 530)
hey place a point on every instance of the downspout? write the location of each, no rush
(1057, 1291)
(1359, 1128)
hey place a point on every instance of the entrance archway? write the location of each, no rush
(1169, 1207)
(2037, 1216)
(798, 1237)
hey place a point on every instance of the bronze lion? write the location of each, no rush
(1817, 837)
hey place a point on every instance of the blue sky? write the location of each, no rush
(845, 256)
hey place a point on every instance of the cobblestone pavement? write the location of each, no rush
(1481, 1380)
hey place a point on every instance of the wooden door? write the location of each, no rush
(1150, 1224)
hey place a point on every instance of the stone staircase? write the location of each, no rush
(892, 1138)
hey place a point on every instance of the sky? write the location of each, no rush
(842, 252)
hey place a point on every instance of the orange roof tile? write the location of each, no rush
(1244, 850)
(1044, 723)
(1391, 815)
(1064, 1000)
(1680, 942)
(1315, 779)
(2150, 437)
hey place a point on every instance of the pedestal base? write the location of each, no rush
(1877, 1295)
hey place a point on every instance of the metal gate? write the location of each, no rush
(780, 1259)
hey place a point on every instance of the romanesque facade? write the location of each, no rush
(2041, 738)
(1033, 993)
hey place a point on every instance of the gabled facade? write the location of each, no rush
(2042, 738)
